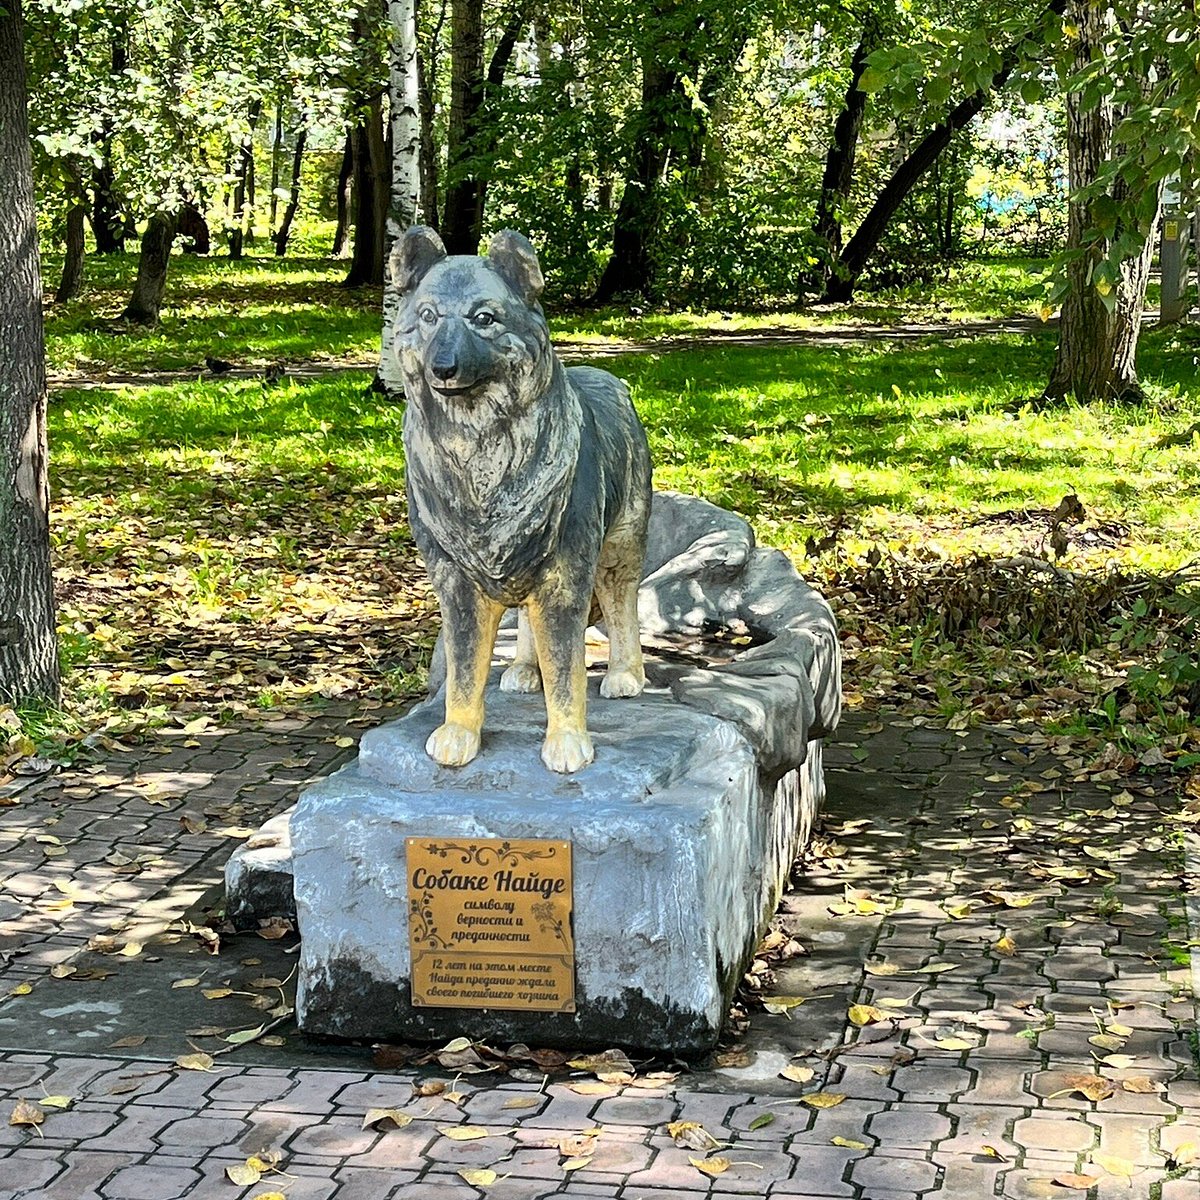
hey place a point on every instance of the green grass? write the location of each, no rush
(258, 310)
(889, 439)
(225, 545)
(895, 438)
(262, 309)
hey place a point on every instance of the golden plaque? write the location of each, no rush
(489, 924)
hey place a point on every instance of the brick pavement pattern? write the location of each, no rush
(1054, 893)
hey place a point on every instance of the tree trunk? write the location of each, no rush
(289, 213)
(371, 177)
(463, 211)
(843, 150)
(1097, 341)
(341, 235)
(430, 203)
(404, 103)
(193, 230)
(146, 301)
(372, 171)
(71, 279)
(242, 218)
(630, 269)
(28, 649)
(276, 154)
(108, 221)
(862, 245)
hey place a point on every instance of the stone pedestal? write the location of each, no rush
(679, 858)
(683, 830)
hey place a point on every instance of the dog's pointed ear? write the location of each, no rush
(516, 260)
(416, 250)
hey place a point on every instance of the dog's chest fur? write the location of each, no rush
(491, 500)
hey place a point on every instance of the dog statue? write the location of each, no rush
(528, 486)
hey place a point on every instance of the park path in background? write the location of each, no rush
(1009, 922)
(574, 350)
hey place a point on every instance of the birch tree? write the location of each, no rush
(406, 167)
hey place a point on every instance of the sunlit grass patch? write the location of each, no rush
(230, 545)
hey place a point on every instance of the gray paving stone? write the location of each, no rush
(884, 1172)
(937, 1113)
(149, 1182)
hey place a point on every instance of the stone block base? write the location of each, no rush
(680, 844)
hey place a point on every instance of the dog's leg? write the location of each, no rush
(471, 621)
(523, 675)
(558, 623)
(616, 589)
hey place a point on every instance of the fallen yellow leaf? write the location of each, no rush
(479, 1176)
(593, 1087)
(1141, 1085)
(1114, 1164)
(692, 1135)
(711, 1166)
(195, 1062)
(1091, 1087)
(866, 1014)
(462, 1133)
(1073, 1180)
(244, 1174)
(797, 1074)
(26, 1113)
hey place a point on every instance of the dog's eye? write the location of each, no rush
(427, 315)
(484, 319)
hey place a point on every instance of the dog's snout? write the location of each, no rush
(443, 368)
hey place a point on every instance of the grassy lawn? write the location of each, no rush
(256, 311)
(263, 309)
(226, 546)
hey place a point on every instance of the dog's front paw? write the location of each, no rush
(616, 684)
(567, 751)
(452, 745)
(521, 677)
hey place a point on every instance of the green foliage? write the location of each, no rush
(162, 92)
(1145, 70)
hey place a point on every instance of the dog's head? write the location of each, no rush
(470, 335)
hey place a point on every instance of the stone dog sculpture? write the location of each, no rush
(528, 486)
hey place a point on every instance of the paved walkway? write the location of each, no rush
(1011, 929)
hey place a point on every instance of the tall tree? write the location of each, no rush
(145, 304)
(838, 177)
(992, 73)
(684, 49)
(108, 215)
(1131, 64)
(344, 198)
(289, 214)
(369, 145)
(471, 135)
(404, 87)
(242, 215)
(71, 279)
(28, 650)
